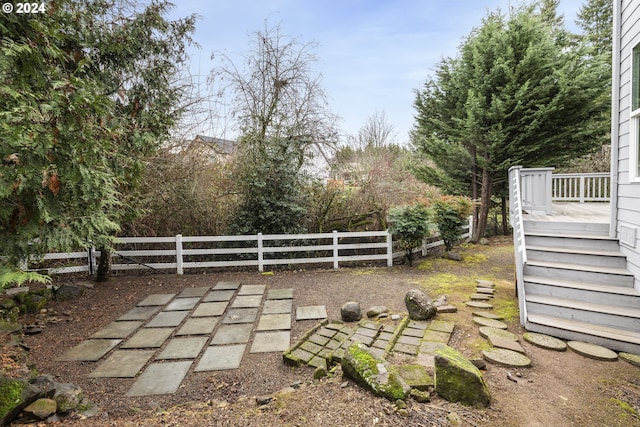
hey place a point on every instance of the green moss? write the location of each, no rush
(508, 309)
(627, 410)
(458, 380)
(425, 265)
(10, 394)
(474, 259)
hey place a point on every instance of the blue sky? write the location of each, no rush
(372, 53)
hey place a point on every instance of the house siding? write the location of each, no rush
(628, 195)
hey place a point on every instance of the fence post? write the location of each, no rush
(179, 254)
(470, 219)
(389, 249)
(582, 188)
(335, 249)
(90, 260)
(260, 254)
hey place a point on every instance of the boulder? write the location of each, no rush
(41, 409)
(454, 256)
(458, 380)
(68, 397)
(351, 312)
(419, 305)
(67, 292)
(377, 310)
(15, 395)
(364, 367)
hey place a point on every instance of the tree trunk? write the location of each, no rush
(474, 189)
(505, 216)
(104, 265)
(485, 205)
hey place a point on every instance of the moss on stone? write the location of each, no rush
(458, 380)
(11, 393)
(627, 410)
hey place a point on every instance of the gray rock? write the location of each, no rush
(40, 409)
(377, 310)
(20, 392)
(454, 256)
(67, 292)
(419, 305)
(484, 241)
(68, 397)
(351, 312)
(458, 380)
(440, 301)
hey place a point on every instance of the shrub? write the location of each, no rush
(449, 213)
(410, 224)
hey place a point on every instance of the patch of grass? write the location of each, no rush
(626, 409)
(360, 272)
(425, 265)
(478, 345)
(445, 283)
(474, 259)
(508, 309)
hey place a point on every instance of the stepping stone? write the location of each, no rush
(226, 286)
(218, 358)
(479, 297)
(416, 324)
(634, 359)
(240, 315)
(483, 321)
(140, 313)
(447, 309)
(183, 348)
(210, 309)
(406, 349)
(409, 340)
(411, 332)
(545, 341)
(233, 334)
(252, 290)
(89, 351)
(487, 314)
(487, 291)
(123, 364)
(280, 293)
(160, 378)
(117, 329)
(485, 284)
(156, 299)
(166, 319)
(268, 342)
(148, 338)
(180, 304)
(501, 342)
(415, 376)
(216, 296)
(273, 322)
(478, 304)
(193, 292)
(198, 326)
(311, 312)
(441, 326)
(507, 358)
(437, 336)
(247, 301)
(487, 331)
(592, 351)
(277, 306)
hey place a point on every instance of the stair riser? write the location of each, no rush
(580, 276)
(593, 318)
(598, 229)
(583, 259)
(627, 301)
(572, 242)
(577, 336)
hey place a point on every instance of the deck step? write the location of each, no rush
(593, 256)
(623, 296)
(613, 338)
(574, 241)
(600, 275)
(582, 228)
(626, 318)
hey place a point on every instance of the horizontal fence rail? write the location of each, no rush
(183, 252)
(581, 187)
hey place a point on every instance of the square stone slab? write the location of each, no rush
(180, 304)
(277, 306)
(90, 350)
(280, 293)
(240, 315)
(273, 322)
(209, 309)
(218, 358)
(183, 348)
(148, 338)
(252, 290)
(233, 334)
(247, 301)
(160, 378)
(165, 319)
(193, 292)
(117, 329)
(123, 364)
(267, 342)
(140, 313)
(219, 296)
(198, 326)
(226, 286)
(311, 312)
(156, 299)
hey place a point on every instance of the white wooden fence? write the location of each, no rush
(183, 252)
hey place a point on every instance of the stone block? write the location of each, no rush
(458, 380)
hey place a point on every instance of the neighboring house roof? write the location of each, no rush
(219, 145)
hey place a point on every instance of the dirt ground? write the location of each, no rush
(559, 389)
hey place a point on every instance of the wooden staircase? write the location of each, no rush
(577, 286)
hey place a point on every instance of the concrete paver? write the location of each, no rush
(140, 313)
(198, 326)
(252, 289)
(194, 292)
(272, 322)
(183, 348)
(89, 350)
(226, 286)
(219, 296)
(233, 334)
(247, 301)
(166, 319)
(180, 304)
(123, 364)
(156, 299)
(240, 315)
(277, 306)
(311, 312)
(218, 358)
(160, 378)
(210, 309)
(280, 293)
(266, 342)
(148, 338)
(118, 329)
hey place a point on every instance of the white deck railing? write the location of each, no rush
(517, 222)
(183, 252)
(581, 187)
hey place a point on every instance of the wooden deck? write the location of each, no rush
(574, 212)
